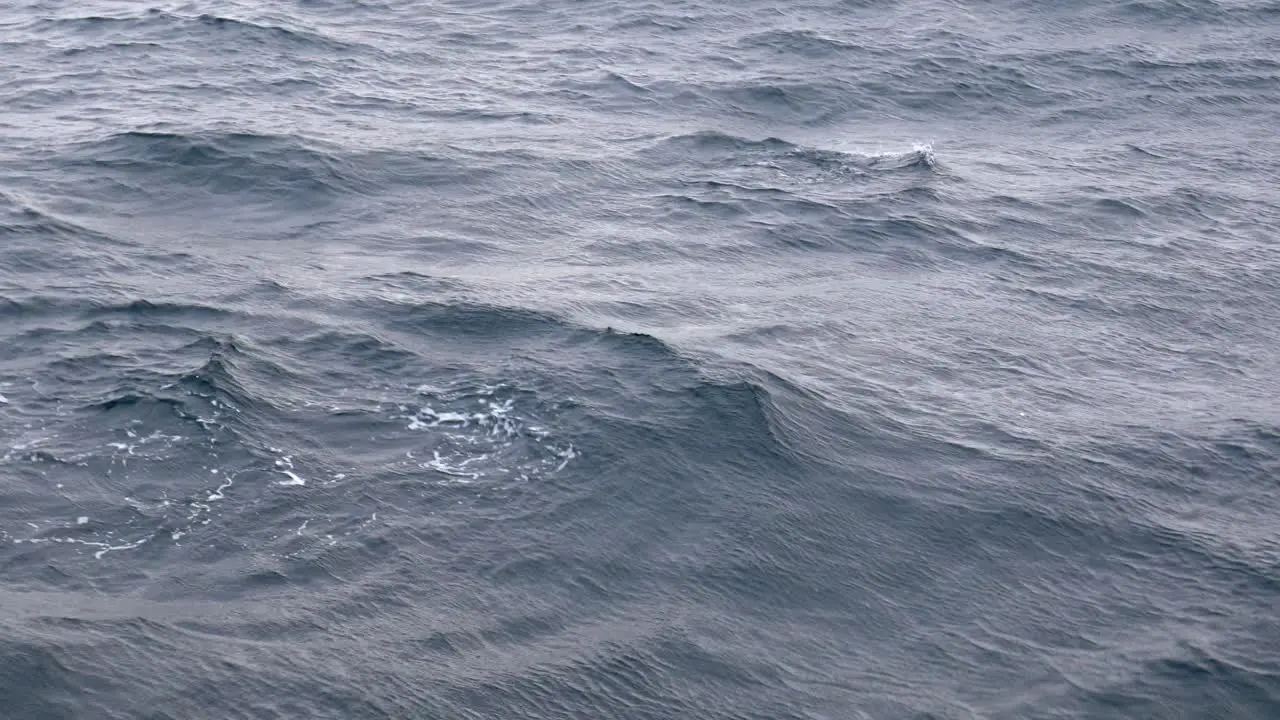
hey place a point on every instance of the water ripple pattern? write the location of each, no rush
(374, 359)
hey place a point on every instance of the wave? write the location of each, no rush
(162, 27)
(35, 242)
(709, 140)
(223, 164)
(360, 491)
(1180, 10)
(580, 475)
(647, 20)
(256, 169)
(23, 221)
(293, 412)
(774, 99)
(721, 148)
(806, 43)
(783, 197)
(270, 34)
(621, 676)
(1166, 14)
(1173, 671)
(423, 399)
(244, 430)
(945, 75)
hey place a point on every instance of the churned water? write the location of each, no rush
(680, 359)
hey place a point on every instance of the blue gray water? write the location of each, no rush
(675, 359)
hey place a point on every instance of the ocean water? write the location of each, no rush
(488, 359)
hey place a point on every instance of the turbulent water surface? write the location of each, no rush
(677, 359)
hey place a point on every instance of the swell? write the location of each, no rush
(66, 320)
(960, 83)
(222, 164)
(25, 221)
(805, 43)
(1183, 11)
(649, 670)
(38, 243)
(164, 27)
(1162, 674)
(631, 381)
(1117, 504)
(633, 678)
(142, 389)
(259, 168)
(769, 501)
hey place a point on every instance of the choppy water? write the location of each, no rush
(682, 359)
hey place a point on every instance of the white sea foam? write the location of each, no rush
(456, 468)
(284, 465)
(103, 547)
(196, 509)
(464, 438)
(217, 494)
(474, 436)
(565, 456)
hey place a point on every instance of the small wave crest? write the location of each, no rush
(920, 156)
(791, 161)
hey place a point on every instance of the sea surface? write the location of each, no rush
(538, 359)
